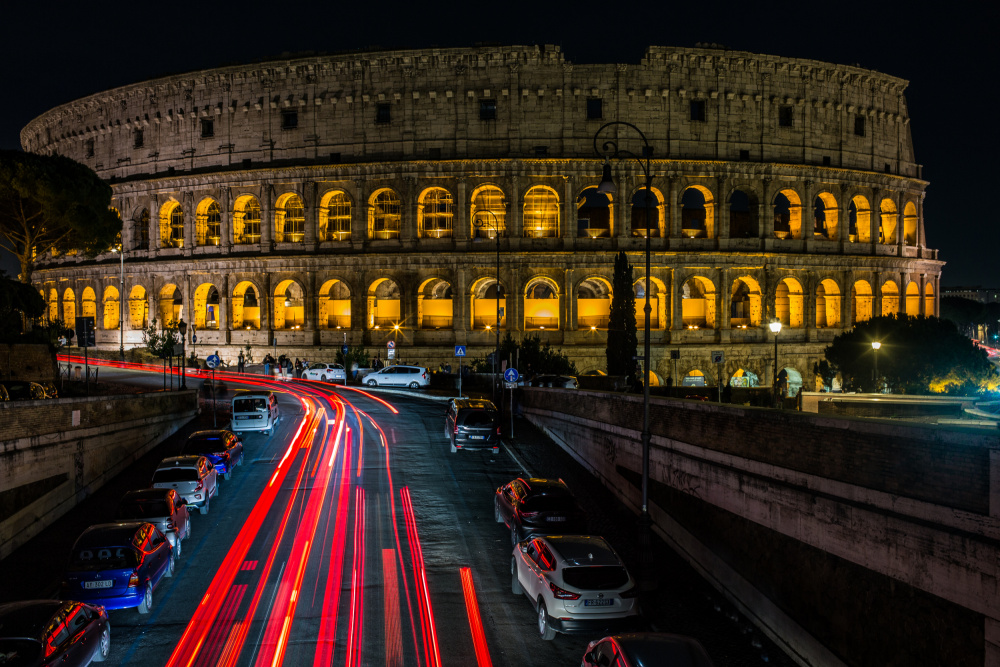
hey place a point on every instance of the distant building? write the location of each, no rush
(977, 293)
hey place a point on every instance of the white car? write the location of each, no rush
(413, 377)
(577, 583)
(325, 373)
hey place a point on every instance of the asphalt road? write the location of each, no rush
(342, 539)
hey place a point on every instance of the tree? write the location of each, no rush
(530, 356)
(622, 338)
(919, 355)
(50, 202)
(160, 343)
(18, 304)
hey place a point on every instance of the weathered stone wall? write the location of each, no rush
(816, 526)
(27, 362)
(54, 453)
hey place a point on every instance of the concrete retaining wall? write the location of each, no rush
(849, 541)
(54, 453)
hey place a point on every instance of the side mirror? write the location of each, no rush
(523, 546)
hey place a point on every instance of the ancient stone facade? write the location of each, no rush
(358, 198)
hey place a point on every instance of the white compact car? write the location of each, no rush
(577, 583)
(325, 373)
(413, 377)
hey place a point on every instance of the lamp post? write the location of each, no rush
(610, 150)
(775, 327)
(121, 302)
(875, 346)
(182, 327)
(495, 226)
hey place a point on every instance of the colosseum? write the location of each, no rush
(421, 196)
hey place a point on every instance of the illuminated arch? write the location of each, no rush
(859, 220)
(385, 212)
(208, 223)
(88, 303)
(862, 301)
(910, 223)
(637, 213)
(488, 199)
(335, 305)
(744, 378)
(435, 213)
(171, 225)
(828, 302)
(52, 305)
(171, 305)
(112, 308)
(289, 219)
(890, 298)
(593, 303)
(698, 303)
(743, 214)
(826, 216)
(69, 307)
(207, 307)
(929, 300)
(541, 304)
(694, 378)
(657, 305)
(790, 381)
(787, 207)
(335, 216)
(246, 220)
(138, 308)
(789, 306)
(486, 297)
(541, 213)
(435, 306)
(745, 307)
(245, 305)
(889, 227)
(289, 305)
(594, 214)
(912, 303)
(697, 212)
(384, 306)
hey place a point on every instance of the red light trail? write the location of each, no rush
(475, 621)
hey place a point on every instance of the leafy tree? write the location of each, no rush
(530, 355)
(19, 303)
(50, 202)
(358, 354)
(160, 343)
(622, 338)
(919, 355)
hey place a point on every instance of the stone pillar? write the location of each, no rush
(621, 210)
(569, 309)
(310, 301)
(765, 213)
(226, 224)
(190, 221)
(310, 204)
(809, 307)
(154, 224)
(876, 219)
(461, 300)
(359, 218)
(920, 223)
(266, 303)
(877, 295)
(460, 222)
(676, 306)
(721, 213)
(724, 300)
(408, 231)
(674, 210)
(225, 308)
(567, 212)
(515, 210)
(922, 304)
(266, 220)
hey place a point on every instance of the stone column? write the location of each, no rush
(567, 212)
(809, 307)
(721, 213)
(225, 307)
(154, 224)
(310, 205)
(460, 222)
(310, 301)
(724, 300)
(847, 302)
(674, 210)
(359, 218)
(876, 219)
(920, 223)
(877, 295)
(922, 305)
(620, 207)
(266, 220)
(515, 210)
(190, 222)
(226, 224)
(765, 213)
(461, 300)
(569, 308)
(408, 231)
(676, 305)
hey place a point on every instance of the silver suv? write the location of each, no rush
(193, 477)
(577, 583)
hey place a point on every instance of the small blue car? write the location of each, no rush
(117, 565)
(221, 447)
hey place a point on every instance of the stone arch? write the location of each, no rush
(488, 300)
(593, 303)
(335, 305)
(637, 213)
(384, 303)
(171, 306)
(862, 301)
(540, 212)
(289, 219)
(790, 382)
(138, 308)
(246, 220)
(435, 213)
(335, 209)
(698, 303)
(246, 305)
(594, 214)
(289, 304)
(912, 303)
(657, 304)
(52, 304)
(140, 230)
(789, 304)
(890, 298)
(859, 220)
(206, 306)
(746, 306)
(88, 303)
(743, 377)
(929, 300)
(694, 377)
(743, 214)
(435, 304)
(697, 212)
(541, 304)
(787, 207)
(888, 226)
(826, 216)
(208, 223)
(827, 304)
(385, 214)
(69, 307)
(486, 199)
(111, 308)
(171, 225)
(910, 223)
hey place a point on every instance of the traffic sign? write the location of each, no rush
(194, 338)
(213, 361)
(391, 354)
(717, 357)
(459, 350)
(510, 385)
(391, 344)
(343, 349)
(511, 375)
(85, 336)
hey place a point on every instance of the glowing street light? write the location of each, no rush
(775, 327)
(875, 346)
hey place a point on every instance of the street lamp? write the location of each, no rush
(495, 226)
(610, 150)
(121, 302)
(875, 346)
(182, 327)
(775, 327)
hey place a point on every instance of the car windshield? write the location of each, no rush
(249, 404)
(598, 578)
(175, 475)
(479, 418)
(17, 652)
(549, 503)
(104, 558)
(144, 509)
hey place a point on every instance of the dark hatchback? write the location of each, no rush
(221, 447)
(646, 649)
(535, 506)
(53, 632)
(472, 423)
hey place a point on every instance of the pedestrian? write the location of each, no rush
(241, 363)
(289, 369)
(377, 364)
(268, 360)
(298, 367)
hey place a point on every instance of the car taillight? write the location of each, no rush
(563, 594)
(630, 593)
(170, 524)
(133, 581)
(456, 428)
(529, 515)
(498, 430)
(201, 485)
(424, 375)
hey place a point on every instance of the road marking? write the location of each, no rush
(475, 620)
(515, 459)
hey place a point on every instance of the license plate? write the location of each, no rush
(104, 583)
(556, 518)
(598, 603)
(477, 437)
(244, 417)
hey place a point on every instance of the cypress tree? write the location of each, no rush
(622, 339)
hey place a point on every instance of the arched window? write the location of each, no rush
(593, 214)
(138, 308)
(486, 200)
(929, 300)
(435, 212)
(910, 223)
(912, 299)
(206, 307)
(787, 215)
(489, 304)
(890, 298)
(698, 303)
(289, 305)
(541, 305)
(53, 306)
(383, 304)
(335, 217)
(246, 220)
(208, 223)
(889, 222)
(69, 308)
(335, 305)
(246, 307)
(657, 306)
(593, 304)
(541, 213)
(289, 219)
(171, 225)
(112, 309)
(140, 231)
(637, 213)
(745, 305)
(88, 303)
(789, 306)
(171, 305)
(384, 214)
(742, 216)
(859, 220)
(825, 216)
(434, 305)
(862, 301)
(827, 305)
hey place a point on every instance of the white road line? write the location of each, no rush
(515, 459)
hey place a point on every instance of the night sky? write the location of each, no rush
(52, 56)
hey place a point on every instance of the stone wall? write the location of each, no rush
(850, 541)
(54, 453)
(27, 362)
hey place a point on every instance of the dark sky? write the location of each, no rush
(52, 56)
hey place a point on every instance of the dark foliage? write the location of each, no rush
(530, 356)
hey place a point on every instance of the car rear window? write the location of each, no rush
(249, 404)
(549, 503)
(175, 475)
(478, 417)
(16, 652)
(104, 558)
(144, 509)
(596, 578)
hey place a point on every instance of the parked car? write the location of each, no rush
(164, 508)
(254, 411)
(577, 583)
(221, 447)
(646, 649)
(118, 565)
(193, 477)
(472, 423)
(536, 506)
(413, 377)
(325, 373)
(23, 390)
(560, 381)
(53, 632)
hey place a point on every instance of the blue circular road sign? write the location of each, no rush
(511, 375)
(213, 361)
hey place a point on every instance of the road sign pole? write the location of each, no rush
(214, 422)
(460, 377)
(86, 368)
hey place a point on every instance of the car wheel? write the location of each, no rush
(544, 629)
(515, 585)
(147, 600)
(322, 378)
(204, 508)
(496, 511)
(104, 645)
(454, 449)
(414, 385)
(171, 565)
(372, 383)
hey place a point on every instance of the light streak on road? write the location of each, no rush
(390, 603)
(354, 635)
(475, 620)
(431, 650)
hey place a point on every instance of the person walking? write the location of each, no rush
(268, 360)
(241, 363)
(298, 367)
